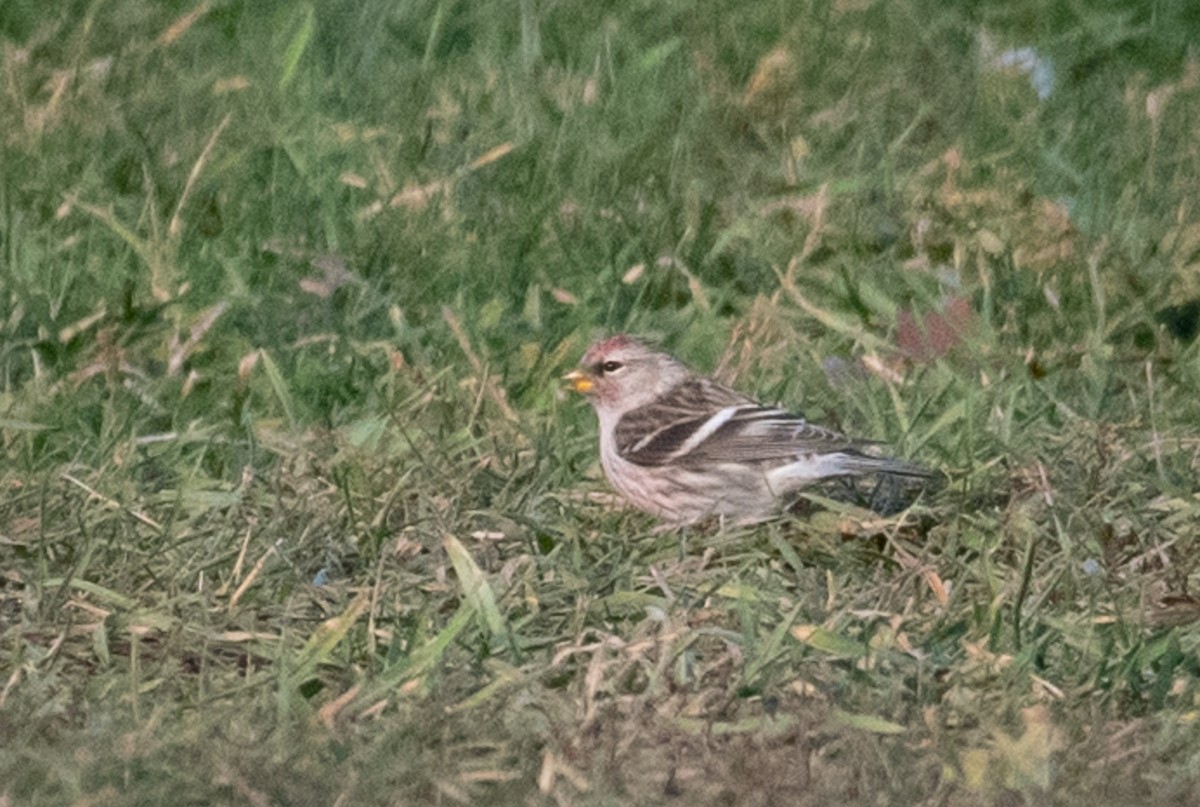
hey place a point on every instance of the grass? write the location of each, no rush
(295, 511)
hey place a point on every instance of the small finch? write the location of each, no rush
(683, 447)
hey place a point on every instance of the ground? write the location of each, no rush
(294, 508)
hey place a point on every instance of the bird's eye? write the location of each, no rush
(610, 366)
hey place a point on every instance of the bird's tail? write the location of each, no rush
(856, 463)
(859, 462)
(883, 484)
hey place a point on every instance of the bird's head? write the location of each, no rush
(621, 373)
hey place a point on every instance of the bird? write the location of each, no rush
(685, 448)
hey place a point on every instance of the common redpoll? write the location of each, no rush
(684, 448)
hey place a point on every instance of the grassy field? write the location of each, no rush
(294, 509)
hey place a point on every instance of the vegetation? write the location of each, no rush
(293, 507)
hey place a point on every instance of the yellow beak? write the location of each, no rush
(579, 381)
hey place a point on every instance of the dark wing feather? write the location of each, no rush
(765, 435)
(652, 434)
(658, 433)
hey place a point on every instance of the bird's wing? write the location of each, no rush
(700, 422)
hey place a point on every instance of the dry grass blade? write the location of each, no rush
(112, 503)
(175, 228)
(494, 392)
(829, 319)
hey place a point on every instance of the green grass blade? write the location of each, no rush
(475, 587)
(297, 45)
(279, 387)
(321, 644)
